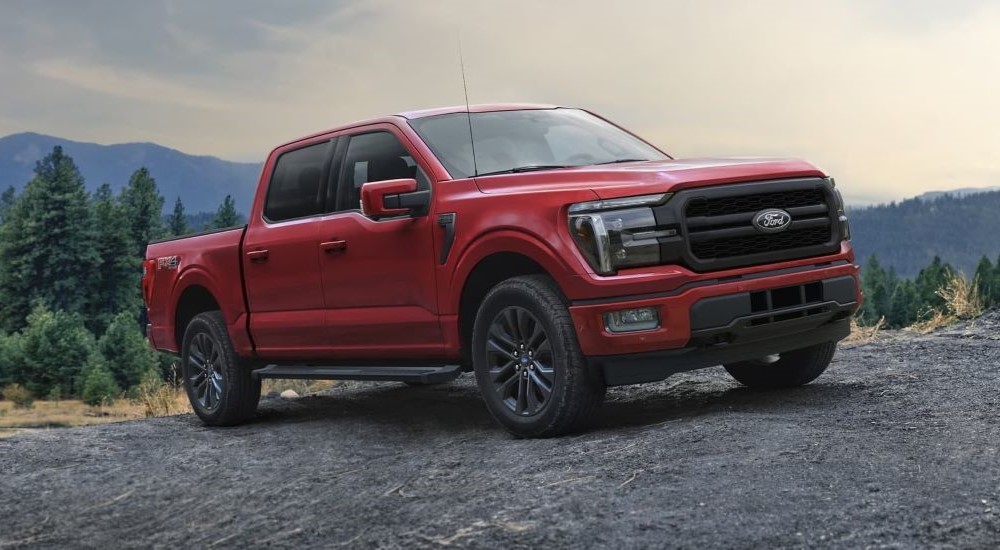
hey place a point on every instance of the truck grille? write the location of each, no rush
(718, 223)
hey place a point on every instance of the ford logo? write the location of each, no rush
(772, 220)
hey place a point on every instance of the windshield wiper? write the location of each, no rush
(619, 161)
(529, 168)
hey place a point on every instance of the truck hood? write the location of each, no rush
(638, 178)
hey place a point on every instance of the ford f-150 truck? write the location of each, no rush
(546, 249)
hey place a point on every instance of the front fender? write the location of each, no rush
(547, 254)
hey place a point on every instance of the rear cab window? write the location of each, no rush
(298, 186)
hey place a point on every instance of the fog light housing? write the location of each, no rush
(631, 320)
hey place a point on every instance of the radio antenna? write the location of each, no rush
(468, 113)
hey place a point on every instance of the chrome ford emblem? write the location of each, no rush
(772, 220)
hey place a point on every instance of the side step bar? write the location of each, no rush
(424, 375)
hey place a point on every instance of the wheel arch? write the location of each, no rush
(494, 257)
(194, 299)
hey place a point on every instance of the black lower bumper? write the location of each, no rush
(739, 327)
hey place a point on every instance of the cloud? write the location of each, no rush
(893, 97)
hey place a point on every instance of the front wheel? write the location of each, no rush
(528, 364)
(219, 384)
(793, 368)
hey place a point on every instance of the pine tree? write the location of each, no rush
(115, 283)
(226, 215)
(53, 349)
(929, 281)
(126, 352)
(46, 245)
(878, 286)
(7, 200)
(984, 281)
(99, 387)
(9, 357)
(177, 223)
(144, 209)
(905, 304)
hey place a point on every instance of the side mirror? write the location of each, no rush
(394, 198)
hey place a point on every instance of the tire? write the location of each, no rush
(530, 310)
(221, 390)
(792, 369)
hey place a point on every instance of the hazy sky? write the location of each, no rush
(894, 97)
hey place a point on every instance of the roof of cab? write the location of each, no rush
(484, 108)
(410, 115)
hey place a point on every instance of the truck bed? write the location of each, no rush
(184, 267)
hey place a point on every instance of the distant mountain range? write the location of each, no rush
(906, 235)
(960, 192)
(201, 182)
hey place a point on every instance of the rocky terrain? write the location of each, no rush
(895, 447)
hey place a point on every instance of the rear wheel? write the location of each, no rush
(528, 364)
(219, 384)
(793, 368)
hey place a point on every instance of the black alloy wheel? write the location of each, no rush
(520, 361)
(205, 375)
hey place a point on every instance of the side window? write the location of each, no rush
(297, 185)
(376, 156)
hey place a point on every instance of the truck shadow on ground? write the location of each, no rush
(458, 407)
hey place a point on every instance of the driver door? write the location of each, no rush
(378, 276)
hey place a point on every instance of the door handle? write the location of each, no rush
(334, 245)
(258, 255)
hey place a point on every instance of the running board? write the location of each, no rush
(424, 375)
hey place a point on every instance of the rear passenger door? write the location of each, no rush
(379, 287)
(281, 256)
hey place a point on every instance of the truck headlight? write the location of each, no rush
(845, 224)
(618, 233)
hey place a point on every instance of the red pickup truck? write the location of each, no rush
(546, 249)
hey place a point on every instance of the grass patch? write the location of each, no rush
(864, 334)
(70, 413)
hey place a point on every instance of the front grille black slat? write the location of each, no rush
(756, 202)
(757, 244)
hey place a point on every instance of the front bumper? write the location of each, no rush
(714, 322)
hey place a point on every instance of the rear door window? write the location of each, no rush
(298, 184)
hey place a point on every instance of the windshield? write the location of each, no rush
(534, 139)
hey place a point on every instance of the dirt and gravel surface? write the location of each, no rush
(896, 447)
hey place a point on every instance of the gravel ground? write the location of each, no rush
(895, 446)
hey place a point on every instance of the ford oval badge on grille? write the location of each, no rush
(772, 220)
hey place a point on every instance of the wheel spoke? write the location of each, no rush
(495, 347)
(510, 322)
(543, 349)
(499, 332)
(522, 394)
(505, 388)
(198, 379)
(501, 373)
(216, 390)
(533, 403)
(201, 391)
(525, 324)
(196, 357)
(544, 386)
